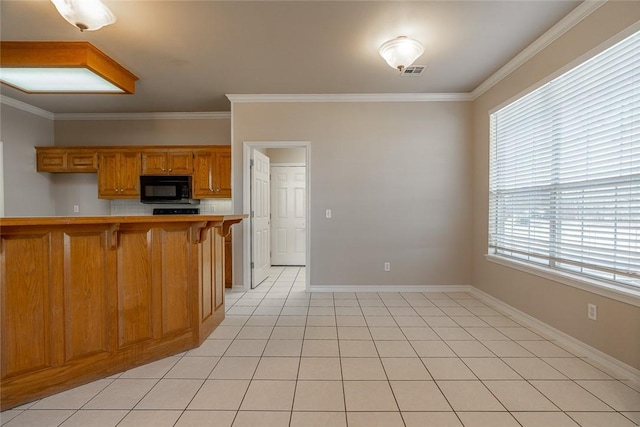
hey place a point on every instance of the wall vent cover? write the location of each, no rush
(413, 71)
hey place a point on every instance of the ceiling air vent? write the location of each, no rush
(413, 71)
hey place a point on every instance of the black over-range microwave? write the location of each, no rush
(166, 189)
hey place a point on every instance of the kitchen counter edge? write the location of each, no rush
(109, 219)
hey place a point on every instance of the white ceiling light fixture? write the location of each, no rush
(87, 15)
(401, 52)
(62, 67)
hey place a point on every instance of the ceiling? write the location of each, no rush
(189, 54)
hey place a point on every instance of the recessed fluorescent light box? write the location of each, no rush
(62, 67)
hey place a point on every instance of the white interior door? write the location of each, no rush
(288, 219)
(260, 218)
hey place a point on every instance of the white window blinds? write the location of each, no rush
(565, 170)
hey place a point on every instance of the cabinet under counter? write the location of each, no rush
(87, 297)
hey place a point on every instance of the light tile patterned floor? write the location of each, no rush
(287, 358)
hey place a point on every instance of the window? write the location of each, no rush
(564, 187)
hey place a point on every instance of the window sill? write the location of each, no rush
(619, 293)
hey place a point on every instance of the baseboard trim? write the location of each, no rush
(389, 288)
(618, 368)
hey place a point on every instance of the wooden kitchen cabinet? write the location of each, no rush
(56, 160)
(212, 173)
(119, 175)
(171, 162)
(119, 167)
(103, 295)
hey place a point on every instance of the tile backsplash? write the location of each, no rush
(134, 207)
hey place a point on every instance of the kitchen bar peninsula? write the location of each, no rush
(83, 298)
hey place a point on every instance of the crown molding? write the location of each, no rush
(5, 100)
(212, 115)
(350, 97)
(583, 10)
(215, 115)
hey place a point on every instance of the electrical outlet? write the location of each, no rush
(592, 311)
(76, 209)
(328, 213)
(387, 266)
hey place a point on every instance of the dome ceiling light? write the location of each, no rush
(401, 52)
(87, 15)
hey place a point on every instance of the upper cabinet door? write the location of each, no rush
(154, 163)
(108, 183)
(119, 175)
(130, 175)
(212, 173)
(203, 174)
(51, 161)
(63, 160)
(82, 161)
(171, 162)
(180, 162)
(223, 173)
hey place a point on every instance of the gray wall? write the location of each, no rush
(286, 155)
(617, 331)
(26, 192)
(143, 132)
(395, 175)
(79, 189)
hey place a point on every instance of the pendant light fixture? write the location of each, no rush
(401, 52)
(89, 15)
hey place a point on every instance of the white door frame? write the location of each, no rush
(248, 146)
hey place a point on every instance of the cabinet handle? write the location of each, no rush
(170, 169)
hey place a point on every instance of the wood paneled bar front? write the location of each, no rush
(83, 298)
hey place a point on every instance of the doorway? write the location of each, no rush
(287, 232)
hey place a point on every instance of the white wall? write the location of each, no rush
(396, 176)
(26, 192)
